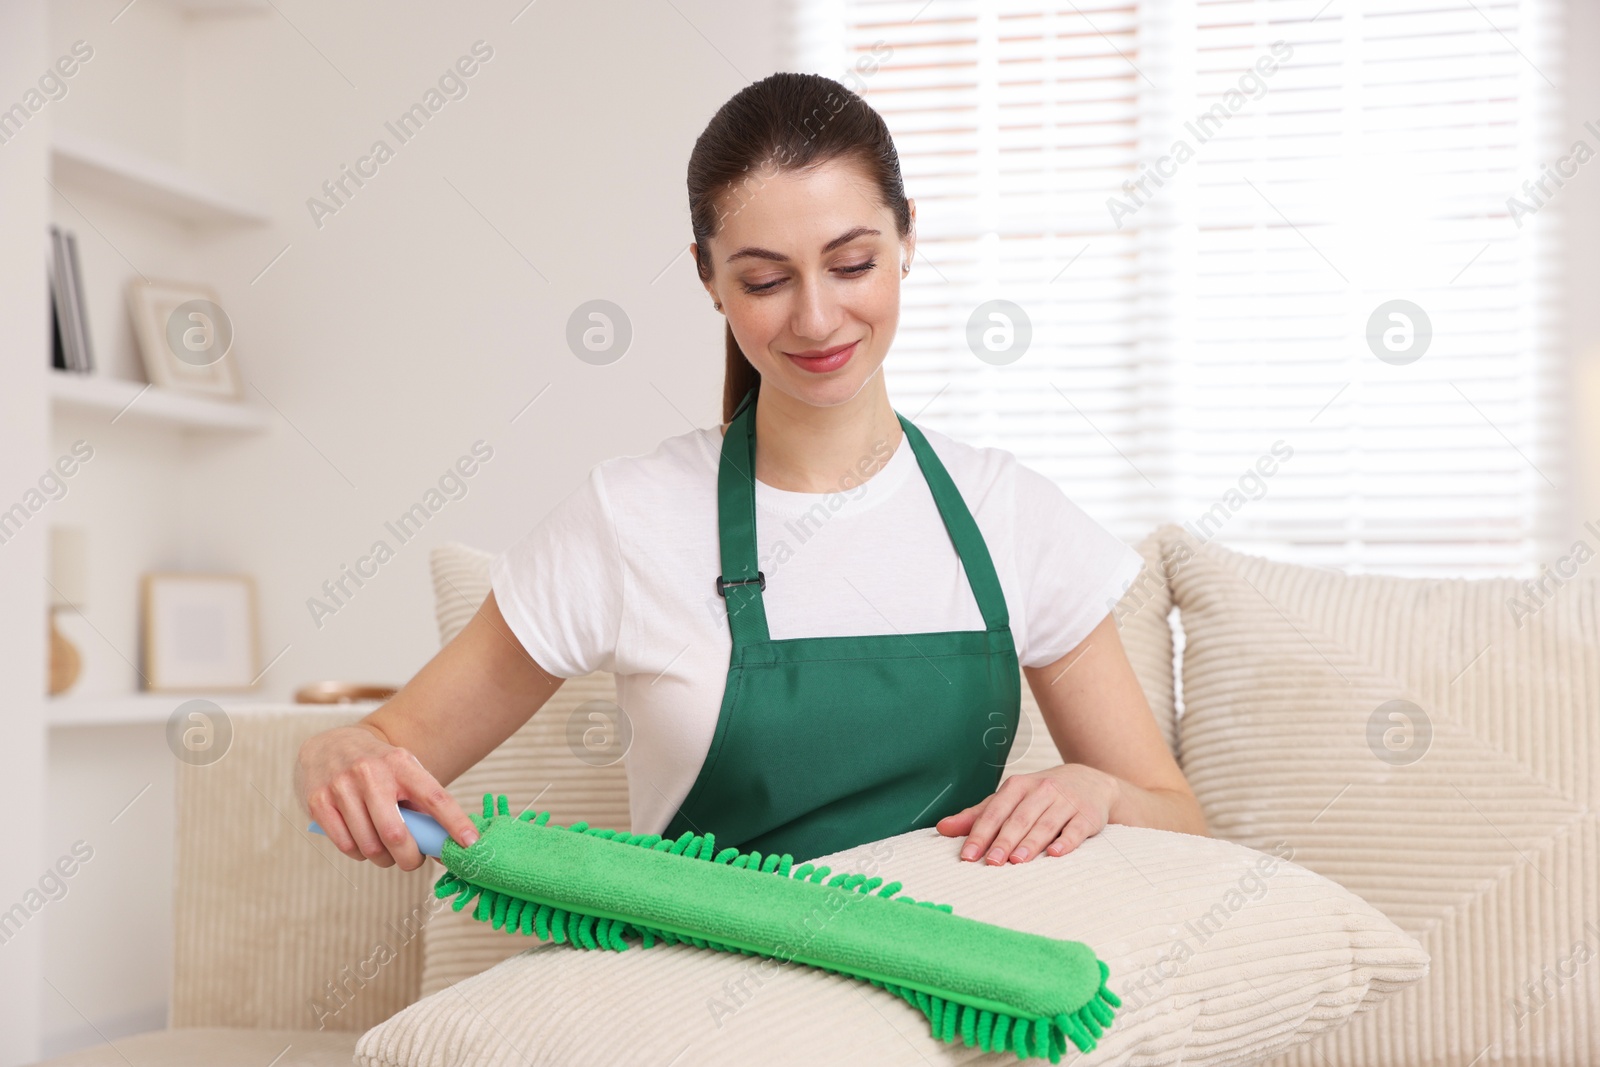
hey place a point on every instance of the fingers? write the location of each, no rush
(1044, 833)
(423, 792)
(1028, 816)
(353, 807)
(322, 808)
(396, 835)
(1077, 830)
(1045, 808)
(997, 812)
(380, 790)
(353, 782)
(961, 822)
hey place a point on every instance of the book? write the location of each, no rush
(80, 306)
(58, 355)
(58, 297)
(70, 333)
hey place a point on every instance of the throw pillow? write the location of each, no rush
(1221, 955)
(1431, 745)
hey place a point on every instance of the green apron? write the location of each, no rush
(824, 743)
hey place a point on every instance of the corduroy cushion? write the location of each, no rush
(1221, 955)
(538, 761)
(1431, 746)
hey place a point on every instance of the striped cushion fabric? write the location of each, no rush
(1433, 746)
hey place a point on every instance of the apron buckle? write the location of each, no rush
(760, 578)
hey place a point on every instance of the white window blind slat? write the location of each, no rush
(1227, 311)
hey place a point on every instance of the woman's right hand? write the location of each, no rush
(349, 779)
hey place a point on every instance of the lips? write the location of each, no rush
(817, 353)
(823, 360)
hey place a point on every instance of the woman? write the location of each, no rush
(876, 590)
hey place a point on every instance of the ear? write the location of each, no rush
(911, 237)
(694, 248)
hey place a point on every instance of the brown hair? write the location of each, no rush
(785, 121)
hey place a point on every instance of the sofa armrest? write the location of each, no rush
(273, 927)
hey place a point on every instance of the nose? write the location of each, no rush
(817, 314)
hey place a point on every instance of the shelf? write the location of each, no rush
(91, 164)
(131, 709)
(141, 707)
(136, 402)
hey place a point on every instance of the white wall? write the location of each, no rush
(27, 846)
(390, 339)
(407, 327)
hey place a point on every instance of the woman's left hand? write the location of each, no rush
(1049, 811)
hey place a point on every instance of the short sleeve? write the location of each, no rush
(1072, 569)
(560, 586)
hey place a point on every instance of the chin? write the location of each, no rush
(821, 390)
(828, 393)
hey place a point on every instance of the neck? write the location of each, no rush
(802, 448)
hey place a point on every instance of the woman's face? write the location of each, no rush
(810, 262)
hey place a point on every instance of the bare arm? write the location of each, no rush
(1116, 765)
(473, 694)
(1097, 714)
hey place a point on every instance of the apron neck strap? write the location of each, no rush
(741, 582)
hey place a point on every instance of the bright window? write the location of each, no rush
(1202, 209)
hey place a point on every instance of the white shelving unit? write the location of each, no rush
(123, 401)
(144, 707)
(69, 710)
(81, 163)
(103, 168)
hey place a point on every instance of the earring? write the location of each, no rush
(905, 269)
(716, 305)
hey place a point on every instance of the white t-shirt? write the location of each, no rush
(619, 577)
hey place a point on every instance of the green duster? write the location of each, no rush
(994, 987)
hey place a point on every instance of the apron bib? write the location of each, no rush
(823, 743)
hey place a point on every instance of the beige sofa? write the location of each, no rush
(1307, 697)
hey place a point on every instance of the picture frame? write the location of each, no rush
(198, 631)
(185, 338)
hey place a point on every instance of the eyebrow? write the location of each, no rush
(843, 238)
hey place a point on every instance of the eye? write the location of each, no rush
(851, 272)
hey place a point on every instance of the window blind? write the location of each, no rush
(1206, 211)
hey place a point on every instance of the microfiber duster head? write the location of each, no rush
(996, 988)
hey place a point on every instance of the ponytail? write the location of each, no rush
(739, 377)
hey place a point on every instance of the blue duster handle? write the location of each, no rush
(425, 828)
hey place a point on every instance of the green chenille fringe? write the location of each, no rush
(948, 1019)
